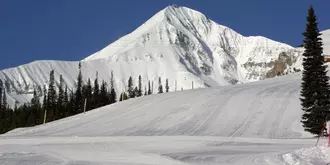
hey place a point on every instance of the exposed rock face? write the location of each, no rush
(281, 65)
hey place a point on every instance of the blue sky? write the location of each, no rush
(73, 29)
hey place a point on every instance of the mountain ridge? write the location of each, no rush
(177, 43)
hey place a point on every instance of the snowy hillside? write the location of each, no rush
(254, 123)
(267, 109)
(177, 43)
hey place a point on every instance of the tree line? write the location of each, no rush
(65, 102)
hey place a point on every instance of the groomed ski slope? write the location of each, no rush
(160, 150)
(265, 109)
(256, 123)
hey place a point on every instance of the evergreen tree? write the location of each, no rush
(136, 91)
(15, 108)
(36, 113)
(315, 91)
(51, 99)
(104, 99)
(160, 86)
(66, 110)
(66, 96)
(112, 81)
(130, 90)
(167, 87)
(71, 104)
(60, 110)
(113, 94)
(96, 93)
(123, 96)
(145, 91)
(4, 100)
(44, 105)
(79, 101)
(31, 120)
(139, 93)
(88, 95)
(149, 88)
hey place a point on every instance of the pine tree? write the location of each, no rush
(112, 81)
(44, 105)
(113, 94)
(88, 95)
(36, 113)
(4, 100)
(167, 87)
(96, 93)
(71, 104)
(104, 99)
(139, 93)
(315, 91)
(130, 90)
(66, 96)
(78, 95)
(136, 91)
(160, 86)
(123, 96)
(31, 120)
(145, 91)
(51, 99)
(149, 88)
(60, 110)
(66, 110)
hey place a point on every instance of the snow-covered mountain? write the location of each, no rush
(177, 43)
(191, 41)
(326, 41)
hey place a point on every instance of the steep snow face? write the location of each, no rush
(188, 39)
(326, 41)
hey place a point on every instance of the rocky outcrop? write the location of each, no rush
(285, 60)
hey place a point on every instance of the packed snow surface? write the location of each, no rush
(165, 150)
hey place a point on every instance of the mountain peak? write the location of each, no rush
(182, 13)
